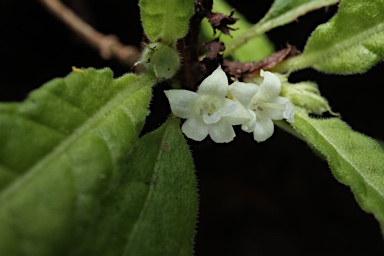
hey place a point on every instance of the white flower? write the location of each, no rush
(208, 111)
(264, 104)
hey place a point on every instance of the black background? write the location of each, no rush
(273, 198)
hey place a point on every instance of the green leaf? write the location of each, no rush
(355, 160)
(281, 12)
(61, 150)
(167, 20)
(351, 42)
(153, 211)
(255, 49)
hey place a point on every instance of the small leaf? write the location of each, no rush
(153, 210)
(351, 42)
(281, 12)
(167, 20)
(355, 160)
(60, 151)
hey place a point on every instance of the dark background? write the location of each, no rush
(273, 198)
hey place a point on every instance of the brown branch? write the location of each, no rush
(191, 72)
(108, 45)
(249, 69)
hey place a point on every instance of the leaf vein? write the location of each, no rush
(150, 192)
(341, 152)
(86, 126)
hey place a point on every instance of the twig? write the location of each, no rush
(108, 45)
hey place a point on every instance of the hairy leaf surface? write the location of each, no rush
(154, 208)
(351, 42)
(167, 20)
(355, 159)
(60, 151)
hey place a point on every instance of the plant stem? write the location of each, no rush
(108, 45)
(292, 64)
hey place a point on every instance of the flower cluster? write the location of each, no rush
(217, 106)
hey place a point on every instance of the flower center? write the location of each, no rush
(207, 105)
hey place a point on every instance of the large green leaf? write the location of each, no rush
(167, 20)
(355, 159)
(153, 210)
(61, 150)
(255, 49)
(351, 42)
(281, 12)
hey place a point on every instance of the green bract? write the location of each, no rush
(166, 21)
(351, 42)
(355, 160)
(61, 151)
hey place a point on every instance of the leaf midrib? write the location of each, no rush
(341, 154)
(78, 132)
(151, 189)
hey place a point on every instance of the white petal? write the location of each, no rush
(289, 113)
(250, 126)
(221, 132)
(215, 84)
(229, 106)
(263, 130)
(276, 113)
(243, 92)
(194, 128)
(239, 115)
(211, 119)
(270, 87)
(181, 102)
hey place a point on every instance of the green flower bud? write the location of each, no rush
(306, 95)
(161, 59)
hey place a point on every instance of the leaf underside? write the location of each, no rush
(355, 159)
(154, 208)
(61, 150)
(166, 21)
